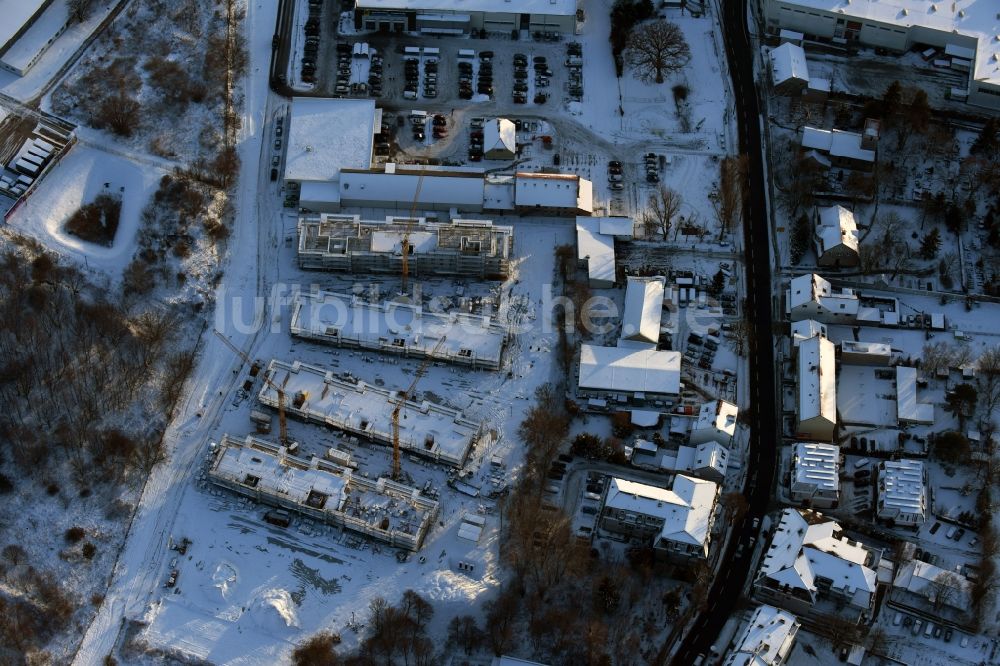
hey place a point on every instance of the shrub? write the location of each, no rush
(97, 221)
(75, 534)
(89, 550)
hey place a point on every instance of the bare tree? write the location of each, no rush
(944, 589)
(663, 208)
(729, 197)
(656, 50)
(464, 632)
(989, 379)
(79, 10)
(501, 613)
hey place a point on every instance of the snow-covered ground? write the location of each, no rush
(75, 180)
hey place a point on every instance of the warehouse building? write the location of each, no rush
(475, 248)
(463, 17)
(28, 29)
(326, 136)
(635, 377)
(400, 328)
(595, 251)
(322, 490)
(965, 31)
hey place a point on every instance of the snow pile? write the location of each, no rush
(274, 611)
(223, 584)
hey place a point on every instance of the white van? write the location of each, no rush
(466, 54)
(863, 462)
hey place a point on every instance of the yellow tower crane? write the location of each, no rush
(282, 423)
(405, 244)
(401, 401)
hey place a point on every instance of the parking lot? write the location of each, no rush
(553, 71)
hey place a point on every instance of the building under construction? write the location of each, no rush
(474, 248)
(398, 328)
(426, 429)
(381, 509)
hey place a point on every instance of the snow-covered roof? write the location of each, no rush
(428, 429)
(17, 13)
(643, 309)
(499, 134)
(837, 227)
(907, 407)
(540, 7)
(686, 508)
(326, 135)
(766, 640)
(805, 545)
(711, 456)
(931, 582)
(863, 397)
(617, 226)
(397, 327)
(274, 474)
(816, 465)
(716, 420)
(812, 290)
(837, 143)
(902, 489)
(817, 380)
(596, 248)
(378, 508)
(961, 20)
(630, 370)
(546, 190)
(466, 192)
(788, 61)
(879, 350)
(38, 37)
(805, 329)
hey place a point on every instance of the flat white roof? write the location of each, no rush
(908, 409)
(643, 309)
(630, 370)
(543, 7)
(327, 135)
(788, 61)
(686, 508)
(426, 428)
(837, 143)
(464, 191)
(547, 190)
(397, 327)
(816, 465)
(767, 638)
(881, 349)
(817, 380)
(36, 39)
(901, 487)
(617, 226)
(864, 399)
(16, 13)
(597, 248)
(977, 20)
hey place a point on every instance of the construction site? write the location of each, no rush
(402, 328)
(381, 509)
(471, 248)
(384, 416)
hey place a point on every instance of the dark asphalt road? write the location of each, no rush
(733, 571)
